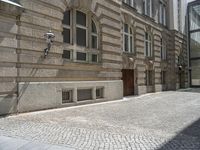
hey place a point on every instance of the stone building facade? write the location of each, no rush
(194, 42)
(103, 50)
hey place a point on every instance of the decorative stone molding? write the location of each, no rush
(77, 4)
(10, 8)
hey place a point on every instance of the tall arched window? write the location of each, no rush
(127, 38)
(80, 30)
(148, 45)
(82, 23)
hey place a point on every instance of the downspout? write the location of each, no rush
(18, 61)
(18, 51)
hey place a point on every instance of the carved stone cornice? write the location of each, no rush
(12, 8)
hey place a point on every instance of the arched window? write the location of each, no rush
(82, 23)
(127, 39)
(94, 36)
(81, 32)
(148, 45)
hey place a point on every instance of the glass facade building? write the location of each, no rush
(194, 42)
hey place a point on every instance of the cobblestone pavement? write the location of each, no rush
(158, 121)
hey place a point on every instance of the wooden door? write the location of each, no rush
(128, 81)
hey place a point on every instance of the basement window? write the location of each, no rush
(67, 97)
(99, 93)
(84, 94)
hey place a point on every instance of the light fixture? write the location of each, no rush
(49, 36)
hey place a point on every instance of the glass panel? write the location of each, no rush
(195, 74)
(99, 93)
(66, 54)
(149, 37)
(149, 8)
(146, 49)
(66, 35)
(161, 13)
(81, 56)
(150, 49)
(165, 51)
(195, 45)
(164, 15)
(130, 31)
(94, 42)
(126, 28)
(66, 96)
(94, 58)
(80, 37)
(85, 94)
(66, 19)
(194, 13)
(94, 29)
(126, 43)
(146, 36)
(131, 44)
(80, 18)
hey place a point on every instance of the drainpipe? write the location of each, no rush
(18, 60)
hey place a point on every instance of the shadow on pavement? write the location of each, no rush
(192, 90)
(188, 139)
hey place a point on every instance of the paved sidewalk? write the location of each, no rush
(157, 121)
(7, 143)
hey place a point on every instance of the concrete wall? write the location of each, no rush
(44, 95)
(8, 104)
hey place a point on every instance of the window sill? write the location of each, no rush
(81, 48)
(149, 57)
(128, 53)
(93, 50)
(67, 60)
(162, 25)
(164, 60)
(86, 62)
(149, 85)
